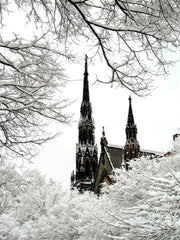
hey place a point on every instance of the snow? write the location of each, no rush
(144, 202)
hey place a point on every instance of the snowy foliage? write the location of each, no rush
(142, 204)
(130, 37)
(33, 208)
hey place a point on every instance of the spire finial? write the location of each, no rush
(86, 58)
(129, 98)
(103, 132)
(86, 65)
(104, 141)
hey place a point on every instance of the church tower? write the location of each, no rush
(132, 148)
(86, 149)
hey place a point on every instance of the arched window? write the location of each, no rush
(84, 135)
(87, 168)
(81, 172)
(94, 168)
(80, 135)
(90, 135)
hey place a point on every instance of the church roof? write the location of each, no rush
(116, 155)
(146, 152)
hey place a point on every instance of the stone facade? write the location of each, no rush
(86, 149)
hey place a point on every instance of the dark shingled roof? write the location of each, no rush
(116, 155)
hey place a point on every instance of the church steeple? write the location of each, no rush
(86, 149)
(86, 123)
(130, 121)
(86, 110)
(131, 129)
(132, 148)
(86, 83)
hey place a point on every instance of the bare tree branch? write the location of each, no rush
(131, 37)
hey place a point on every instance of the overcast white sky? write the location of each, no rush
(157, 118)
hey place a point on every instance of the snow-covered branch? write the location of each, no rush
(129, 35)
(29, 81)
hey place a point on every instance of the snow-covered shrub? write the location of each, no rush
(32, 208)
(144, 203)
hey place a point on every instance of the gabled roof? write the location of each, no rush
(145, 152)
(115, 154)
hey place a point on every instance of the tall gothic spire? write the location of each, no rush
(86, 110)
(86, 83)
(86, 149)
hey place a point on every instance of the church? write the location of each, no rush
(90, 174)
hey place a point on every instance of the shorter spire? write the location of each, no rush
(130, 121)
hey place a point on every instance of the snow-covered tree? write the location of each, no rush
(34, 208)
(127, 34)
(142, 204)
(31, 81)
